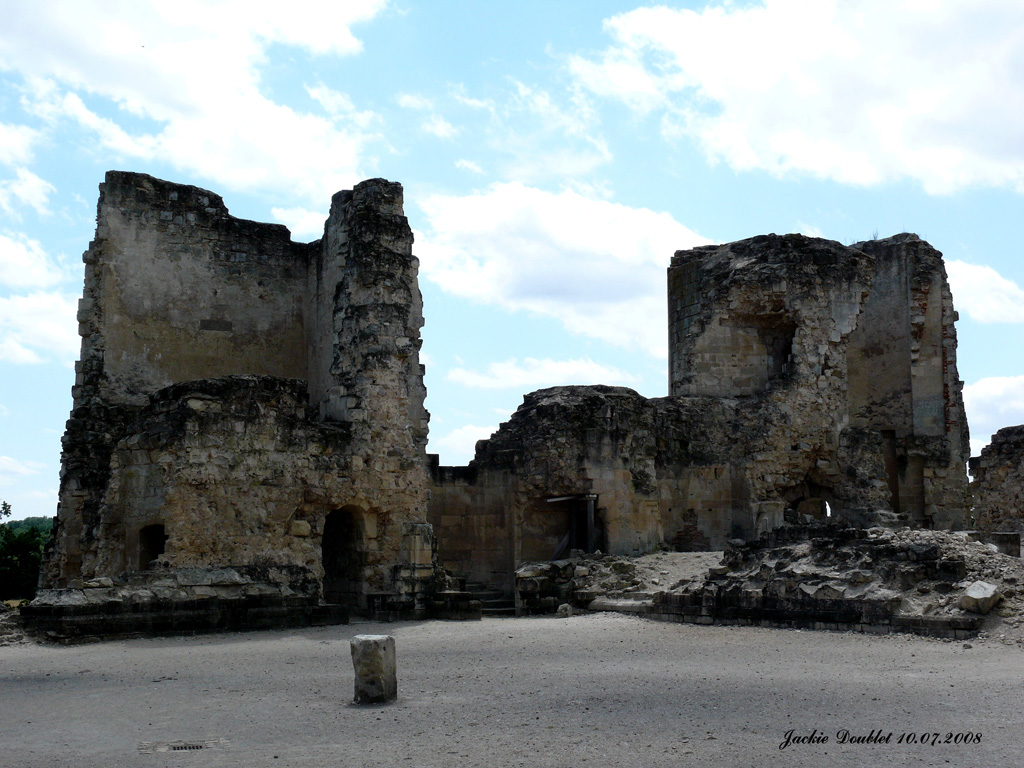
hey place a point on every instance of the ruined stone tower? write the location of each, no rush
(858, 344)
(248, 403)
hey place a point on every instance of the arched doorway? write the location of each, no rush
(344, 551)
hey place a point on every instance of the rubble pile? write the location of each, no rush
(819, 577)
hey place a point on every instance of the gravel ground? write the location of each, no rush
(597, 690)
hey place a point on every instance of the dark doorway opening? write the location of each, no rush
(152, 540)
(584, 531)
(343, 548)
(892, 467)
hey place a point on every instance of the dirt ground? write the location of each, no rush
(590, 690)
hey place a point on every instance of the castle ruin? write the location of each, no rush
(807, 380)
(249, 427)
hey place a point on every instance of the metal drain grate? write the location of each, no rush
(150, 747)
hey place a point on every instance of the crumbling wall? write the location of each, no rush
(236, 475)
(998, 485)
(903, 381)
(472, 521)
(175, 289)
(192, 436)
(563, 448)
(366, 312)
(178, 289)
(793, 362)
(703, 495)
(766, 321)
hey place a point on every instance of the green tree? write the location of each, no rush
(21, 555)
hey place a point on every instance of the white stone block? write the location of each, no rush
(373, 657)
(980, 597)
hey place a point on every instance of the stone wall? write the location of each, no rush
(178, 289)
(526, 495)
(999, 483)
(245, 401)
(816, 338)
(808, 381)
(904, 382)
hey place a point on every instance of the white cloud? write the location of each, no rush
(192, 70)
(412, 101)
(547, 140)
(985, 295)
(301, 222)
(598, 267)
(24, 264)
(12, 469)
(808, 229)
(16, 144)
(436, 125)
(468, 165)
(341, 106)
(533, 373)
(486, 105)
(39, 326)
(458, 447)
(25, 190)
(539, 137)
(992, 404)
(576, 120)
(861, 93)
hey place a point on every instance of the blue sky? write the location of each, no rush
(554, 156)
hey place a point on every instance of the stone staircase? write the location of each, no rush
(493, 602)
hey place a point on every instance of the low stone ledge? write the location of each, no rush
(620, 606)
(82, 622)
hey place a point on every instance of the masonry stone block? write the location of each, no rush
(376, 678)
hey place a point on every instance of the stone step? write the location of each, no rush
(504, 610)
(493, 602)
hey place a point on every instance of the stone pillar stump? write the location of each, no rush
(373, 657)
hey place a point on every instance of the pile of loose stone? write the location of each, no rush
(930, 582)
(929, 573)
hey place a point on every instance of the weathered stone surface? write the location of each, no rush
(376, 677)
(998, 485)
(980, 597)
(809, 381)
(818, 577)
(247, 404)
(246, 401)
